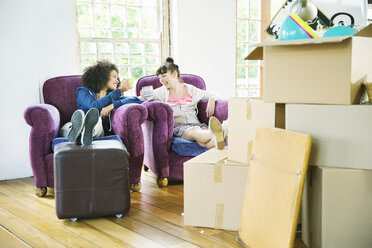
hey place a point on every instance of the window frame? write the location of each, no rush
(264, 19)
(163, 40)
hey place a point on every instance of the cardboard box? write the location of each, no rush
(322, 70)
(214, 190)
(244, 116)
(337, 208)
(274, 188)
(342, 134)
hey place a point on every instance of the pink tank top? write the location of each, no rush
(180, 101)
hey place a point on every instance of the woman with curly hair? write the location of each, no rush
(101, 93)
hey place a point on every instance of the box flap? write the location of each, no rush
(257, 53)
(365, 32)
(211, 156)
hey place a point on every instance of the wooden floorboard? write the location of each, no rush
(154, 220)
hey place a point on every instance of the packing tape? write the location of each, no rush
(220, 209)
(217, 172)
(249, 151)
(249, 110)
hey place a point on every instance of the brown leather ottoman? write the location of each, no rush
(91, 181)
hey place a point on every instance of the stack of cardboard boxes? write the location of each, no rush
(319, 81)
(313, 87)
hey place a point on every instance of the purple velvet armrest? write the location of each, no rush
(126, 122)
(220, 111)
(44, 120)
(161, 115)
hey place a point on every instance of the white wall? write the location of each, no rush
(36, 43)
(203, 36)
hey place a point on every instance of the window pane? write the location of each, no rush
(133, 2)
(242, 52)
(117, 17)
(104, 47)
(152, 48)
(121, 48)
(136, 48)
(149, 18)
(152, 60)
(150, 3)
(254, 77)
(254, 93)
(86, 33)
(88, 47)
(242, 30)
(123, 72)
(242, 73)
(254, 31)
(84, 12)
(136, 60)
(87, 60)
(136, 72)
(243, 9)
(121, 60)
(101, 1)
(255, 9)
(118, 1)
(151, 34)
(134, 34)
(133, 18)
(101, 15)
(105, 57)
(100, 33)
(243, 93)
(151, 70)
(118, 34)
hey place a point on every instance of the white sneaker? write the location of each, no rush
(91, 119)
(77, 124)
(215, 128)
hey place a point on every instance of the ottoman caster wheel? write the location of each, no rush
(135, 187)
(119, 215)
(162, 182)
(40, 192)
(73, 219)
(51, 191)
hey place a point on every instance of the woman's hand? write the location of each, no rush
(106, 110)
(209, 111)
(124, 86)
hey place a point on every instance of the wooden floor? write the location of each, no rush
(154, 220)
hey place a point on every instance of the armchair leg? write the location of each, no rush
(162, 182)
(40, 192)
(135, 187)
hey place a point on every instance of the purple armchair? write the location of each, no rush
(158, 130)
(60, 102)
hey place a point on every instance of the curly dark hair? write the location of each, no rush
(96, 76)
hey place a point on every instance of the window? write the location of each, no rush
(133, 34)
(248, 73)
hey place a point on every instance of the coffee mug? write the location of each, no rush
(147, 91)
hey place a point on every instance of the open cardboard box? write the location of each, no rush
(320, 71)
